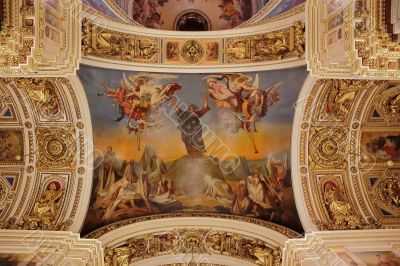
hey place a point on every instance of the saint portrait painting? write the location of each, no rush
(184, 143)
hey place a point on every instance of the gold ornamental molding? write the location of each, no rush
(39, 37)
(113, 46)
(277, 45)
(99, 42)
(187, 237)
(45, 144)
(350, 39)
(193, 241)
(346, 154)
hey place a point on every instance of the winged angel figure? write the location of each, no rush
(242, 100)
(139, 98)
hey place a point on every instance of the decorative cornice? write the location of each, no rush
(100, 44)
(193, 241)
(108, 228)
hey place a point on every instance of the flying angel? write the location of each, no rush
(243, 98)
(139, 98)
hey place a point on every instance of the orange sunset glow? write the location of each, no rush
(270, 139)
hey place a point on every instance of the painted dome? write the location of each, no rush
(191, 15)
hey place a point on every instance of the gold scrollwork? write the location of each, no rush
(341, 213)
(328, 147)
(389, 102)
(97, 41)
(276, 45)
(194, 241)
(119, 46)
(339, 209)
(57, 148)
(340, 96)
(43, 96)
(389, 192)
(192, 51)
(44, 213)
(349, 134)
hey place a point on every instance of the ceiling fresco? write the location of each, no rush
(184, 15)
(215, 143)
(199, 132)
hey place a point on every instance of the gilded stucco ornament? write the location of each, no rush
(193, 241)
(389, 192)
(340, 211)
(192, 51)
(339, 98)
(380, 52)
(43, 96)
(342, 123)
(328, 147)
(276, 45)
(40, 124)
(58, 147)
(97, 41)
(44, 213)
(392, 105)
(389, 102)
(100, 42)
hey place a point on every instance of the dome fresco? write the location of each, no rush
(165, 14)
(190, 15)
(197, 15)
(184, 143)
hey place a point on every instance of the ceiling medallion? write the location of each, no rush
(57, 148)
(328, 147)
(192, 51)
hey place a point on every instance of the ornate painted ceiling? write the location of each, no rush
(191, 15)
(199, 132)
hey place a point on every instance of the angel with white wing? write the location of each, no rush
(242, 97)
